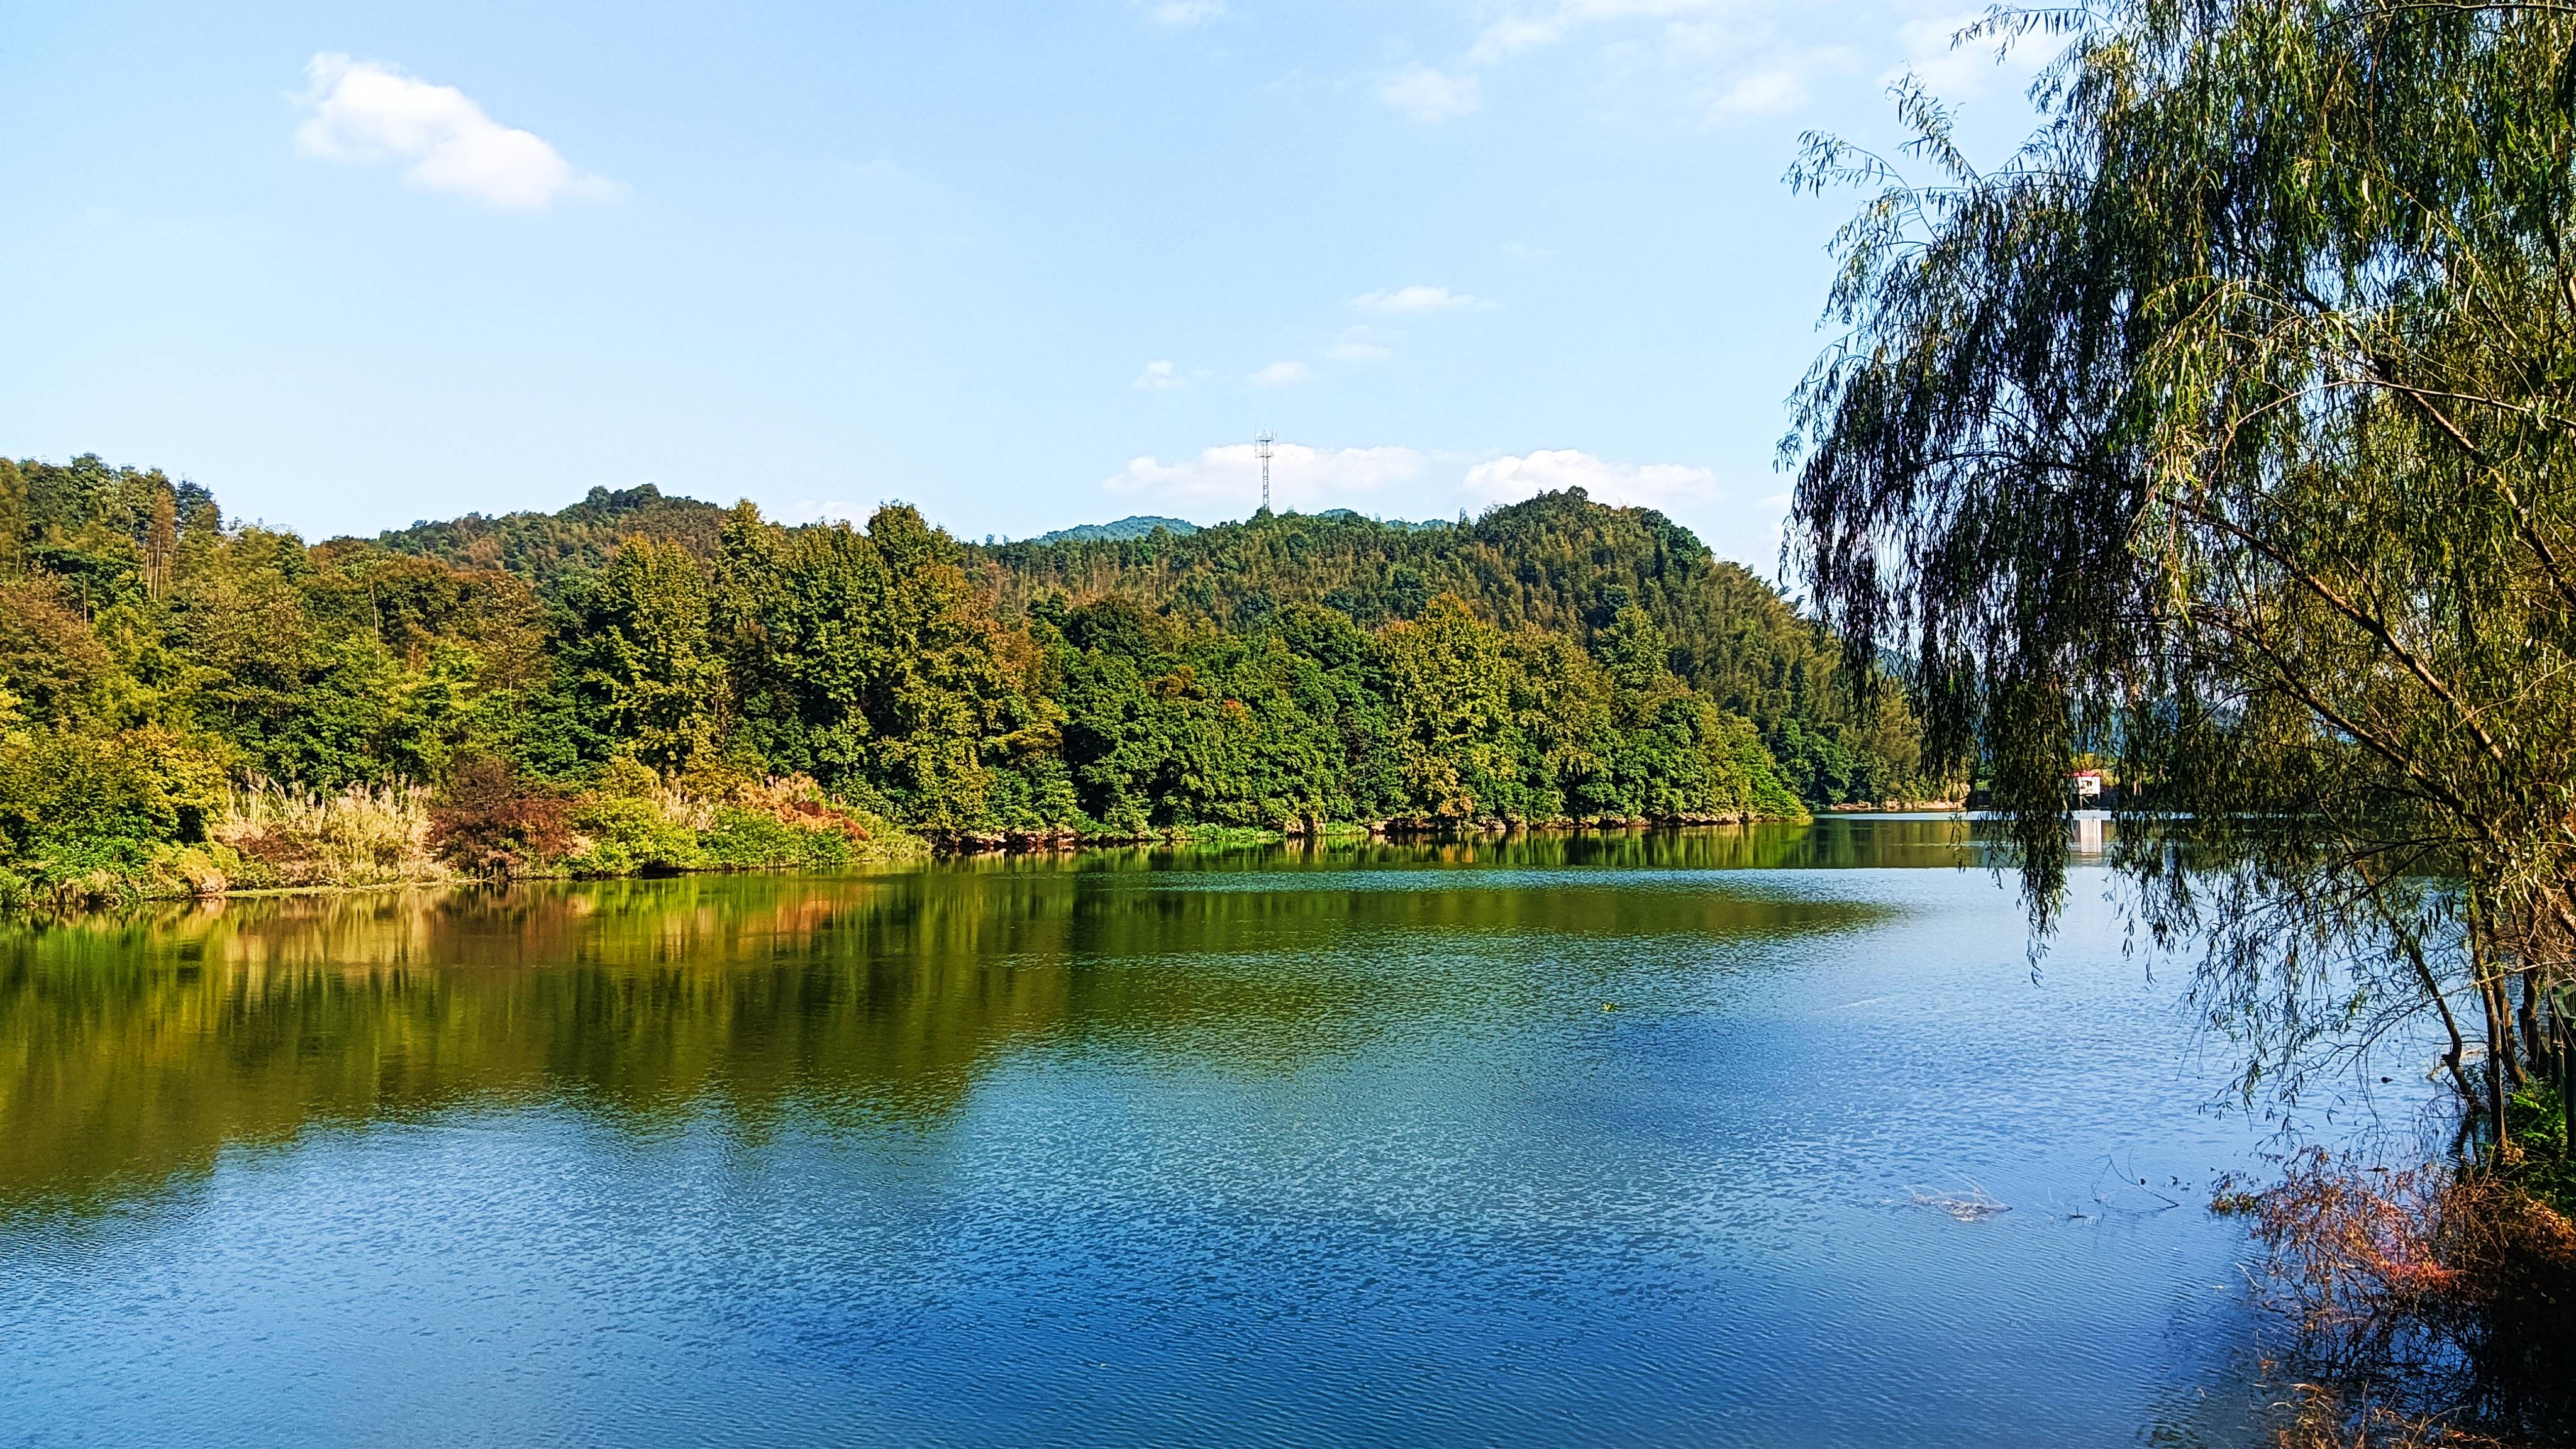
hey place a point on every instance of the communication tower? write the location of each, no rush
(1261, 449)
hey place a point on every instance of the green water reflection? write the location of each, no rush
(135, 1049)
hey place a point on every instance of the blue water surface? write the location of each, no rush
(1755, 1137)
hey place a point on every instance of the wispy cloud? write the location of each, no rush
(1734, 519)
(1534, 27)
(365, 113)
(1669, 487)
(1185, 12)
(1228, 479)
(1159, 376)
(1417, 300)
(1762, 93)
(1957, 71)
(1356, 346)
(1512, 35)
(1281, 374)
(1432, 96)
(1728, 58)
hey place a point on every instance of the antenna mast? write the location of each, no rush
(1261, 449)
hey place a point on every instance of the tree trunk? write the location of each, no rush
(2535, 1047)
(2499, 1024)
(2561, 1046)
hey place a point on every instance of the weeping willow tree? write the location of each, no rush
(2226, 434)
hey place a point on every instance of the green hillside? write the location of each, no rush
(643, 681)
(547, 547)
(1560, 564)
(1133, 526)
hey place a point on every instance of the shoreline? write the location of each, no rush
(966, 845)
(1058, 841)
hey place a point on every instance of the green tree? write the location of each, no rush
(1559, 563)
(2226, 435)
(640, 657)
(16, 524)
(634, 643)
(870, 660)
(50, 661)
(1457, 734)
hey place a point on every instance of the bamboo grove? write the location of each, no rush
(642, 681)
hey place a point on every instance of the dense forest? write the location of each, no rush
(650, 682)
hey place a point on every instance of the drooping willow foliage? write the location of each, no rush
(2226, 433)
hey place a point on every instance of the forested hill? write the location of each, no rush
(1560, 564)
(681, 674)
(1134, 526)
(544, 548)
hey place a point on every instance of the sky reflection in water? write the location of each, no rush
(1535, 1142)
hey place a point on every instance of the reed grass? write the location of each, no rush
(365, 835)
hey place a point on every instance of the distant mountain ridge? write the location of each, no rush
(1136, 525)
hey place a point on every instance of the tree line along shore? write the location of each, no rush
(192, 704)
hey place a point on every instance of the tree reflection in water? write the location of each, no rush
(133, 1049)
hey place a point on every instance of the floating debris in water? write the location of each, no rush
(1972, 1206)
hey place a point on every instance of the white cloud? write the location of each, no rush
(1735, 525)
(1733, 519)
(1355, 346)
(1535, 28)
(1227, 481)
(1416, 300)
(821, 510)
(1185, 12)
(1432, 96)
(1668, 487)
(1281, 374)
(1513, 34)
(1762, 93)
(365, 113)
(1957, 72)
(1158, 376)
(1711, 60)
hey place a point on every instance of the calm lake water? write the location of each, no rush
(1565, 1141)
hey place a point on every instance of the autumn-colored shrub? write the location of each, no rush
(634, 821)
(797, 801)
(2440, 1300)
(2323, 1418)
(490, 821)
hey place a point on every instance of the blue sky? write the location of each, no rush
(1025, 265)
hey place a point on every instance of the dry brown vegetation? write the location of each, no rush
(2427, 1306)
(366, 835)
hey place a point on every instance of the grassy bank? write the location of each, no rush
(490, 824)
(486, 824)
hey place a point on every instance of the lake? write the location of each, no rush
(1653, 1139)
